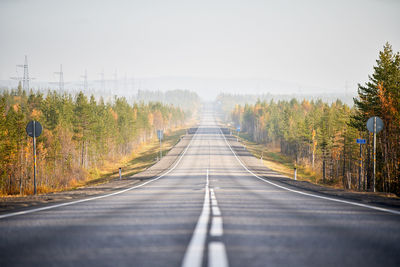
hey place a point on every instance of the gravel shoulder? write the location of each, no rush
(20, 203)
(254, 164)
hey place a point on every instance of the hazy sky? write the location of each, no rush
(311, 44)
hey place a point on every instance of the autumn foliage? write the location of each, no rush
(79, 134)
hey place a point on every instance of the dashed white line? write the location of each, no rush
(216, 249)
(216, 226)
(216, 211)
(217, 255)
(194, 253)
(307, 194)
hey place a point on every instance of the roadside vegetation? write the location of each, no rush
(320, 138)
(81, 136)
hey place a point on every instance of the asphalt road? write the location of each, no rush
(208, 210)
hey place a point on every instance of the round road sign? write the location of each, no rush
(31, 125)
(379, 124)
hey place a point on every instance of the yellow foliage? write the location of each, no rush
(36, 114)
(151, 119)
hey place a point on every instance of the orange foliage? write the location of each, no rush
(114, 114)
(36, 114)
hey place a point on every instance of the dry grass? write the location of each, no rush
(278, 162)
(144, 156)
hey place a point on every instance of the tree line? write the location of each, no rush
(80, 133)
(323, 135)
(185, 99)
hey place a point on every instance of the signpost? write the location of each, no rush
(160, 136)
(361, 142)
(262, 156)
(238, 132)
(374, 125)
(34, 129)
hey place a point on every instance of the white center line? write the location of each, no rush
(216, 211)
(217, 255)
(216, 249)
(194, 253)
(216, 226)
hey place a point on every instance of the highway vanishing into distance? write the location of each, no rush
(208, 209)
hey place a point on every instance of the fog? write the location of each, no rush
(258, 47)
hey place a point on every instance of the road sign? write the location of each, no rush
(160, 134)
(361, 141)
(379, 124)
(34, 125)
(374, 125)
(34, 129)
(238, 128)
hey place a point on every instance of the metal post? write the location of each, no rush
(374, 178)
(160, 150)
(359, 170)
(295, 173)
(34, 157)
(120, 176)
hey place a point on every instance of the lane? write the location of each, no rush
(208, 211)
(265, 225)
(147, 226)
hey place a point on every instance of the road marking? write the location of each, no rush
(214, 201)
(216, 226)
(217, 255)
(308, 194)
(216, 211)
(194, 252)
(98, 197)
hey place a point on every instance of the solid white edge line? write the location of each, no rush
(307, 194)
(194, 253)
(98, 197)
(217, 255)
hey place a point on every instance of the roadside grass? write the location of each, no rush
(279, 162)
(285, 165)
(144, 156)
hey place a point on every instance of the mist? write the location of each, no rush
(210, 47)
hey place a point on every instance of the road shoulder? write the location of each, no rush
(8, 204)
(254, 165)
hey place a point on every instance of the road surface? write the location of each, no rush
(207, 210)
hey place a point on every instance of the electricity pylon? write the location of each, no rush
(85, 81)
(61, 81)
(25, 79)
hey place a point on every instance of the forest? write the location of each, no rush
(323, 135)
(184, 99)
(80, 133)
